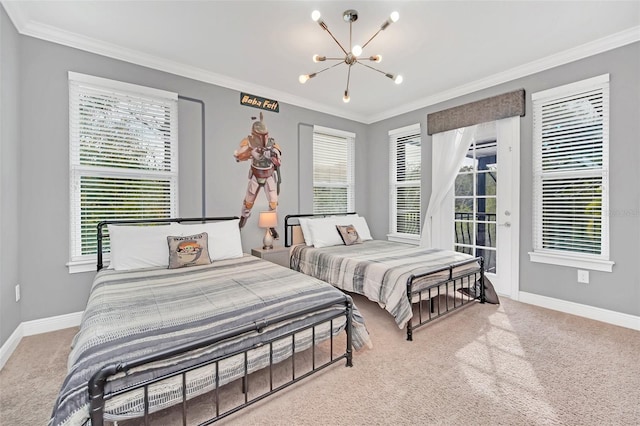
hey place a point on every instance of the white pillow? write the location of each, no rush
(135, 247)
(306, 231)
(224, 237)
(325, 233)
(360, 223)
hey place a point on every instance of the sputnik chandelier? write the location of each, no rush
(353, 55)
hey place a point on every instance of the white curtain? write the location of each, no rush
(448, 152)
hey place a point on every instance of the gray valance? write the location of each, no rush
(482, 111)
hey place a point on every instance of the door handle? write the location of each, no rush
(506, 224)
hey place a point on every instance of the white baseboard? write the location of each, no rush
(591, 312)
(10, 345)
(29, 328)
(45, 325)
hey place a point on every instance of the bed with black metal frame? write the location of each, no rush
(450, 286)
(244, 349)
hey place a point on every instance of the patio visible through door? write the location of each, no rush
(486, 198)
(475, 203)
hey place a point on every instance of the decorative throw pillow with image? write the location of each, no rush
(349, 234)
(191, 250)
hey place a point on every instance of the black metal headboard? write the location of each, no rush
(291, 220)
(102, 224)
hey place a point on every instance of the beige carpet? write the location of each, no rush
(512, 364)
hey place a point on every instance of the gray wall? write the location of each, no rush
(617, 291)
(10, 316)
(48, 288)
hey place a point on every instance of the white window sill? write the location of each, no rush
(572, 261)
(88, 265)
(404, 238)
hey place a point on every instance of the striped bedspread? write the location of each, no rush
(378, 270)
(134, 313)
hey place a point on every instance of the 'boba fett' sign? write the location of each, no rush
(258, 102)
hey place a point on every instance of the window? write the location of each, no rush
(571, 190)
(333, 170)
(405, 162)
(123, 158)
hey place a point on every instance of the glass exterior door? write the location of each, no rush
(476, 202)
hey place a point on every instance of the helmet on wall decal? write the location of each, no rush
(259, 127)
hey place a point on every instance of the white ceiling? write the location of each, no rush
(442, 48)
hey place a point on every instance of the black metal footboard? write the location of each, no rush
(446, 295)
(442, 294)
(99, 397)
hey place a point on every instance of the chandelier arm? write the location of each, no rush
(348, 78)
(335, 39)
(375, 69)
(395, 77)
(327, 68)
(350, 38)
(372, 37)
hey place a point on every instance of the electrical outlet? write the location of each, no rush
(17, 292)
(583, 276)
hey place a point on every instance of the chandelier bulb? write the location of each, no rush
(315, 15)
(396, 78)
(357, 50)
(318, 58)
(346, 97)
(303, 78)
(390, 20)
(375, 58)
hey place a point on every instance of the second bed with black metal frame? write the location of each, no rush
(464, 287)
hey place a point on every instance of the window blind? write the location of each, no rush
(571, 143)
(405, 162)
(333, 171)
(123, 156)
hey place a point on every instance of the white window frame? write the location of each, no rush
(80, 84)
(349, 139)
(598, 262)
(394, 135)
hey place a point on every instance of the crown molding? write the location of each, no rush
(56, 35)
(604, 44)
(88, 44)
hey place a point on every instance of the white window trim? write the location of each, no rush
(404, 238)
(88, 263)
(552, 257)
(334, 132)
(571, 261)
(398, 236)
(351, 137)
(120, 85)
